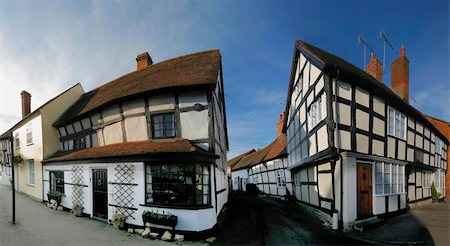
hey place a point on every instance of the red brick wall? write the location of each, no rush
(400, 75)
(375, 68)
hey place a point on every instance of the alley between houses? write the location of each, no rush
(269, 221)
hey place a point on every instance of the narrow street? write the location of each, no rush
(267, 221)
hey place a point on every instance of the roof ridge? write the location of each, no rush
(154, 64)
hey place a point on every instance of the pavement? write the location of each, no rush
(425, 224)
(36, 224)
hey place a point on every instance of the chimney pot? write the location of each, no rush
(280, 125)
(26, 103)
(143, 60)
(402, 51)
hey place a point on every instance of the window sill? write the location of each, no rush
(392, 194)
(32, 185)
(28, 144)
(390, 135)
(176, 206)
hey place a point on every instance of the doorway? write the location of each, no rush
(100, 193)
(364, 190)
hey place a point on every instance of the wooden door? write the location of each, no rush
(364, 190)
(100, 193)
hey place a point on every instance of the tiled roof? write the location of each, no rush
(190, 70)
(236, 159)
(140, 148)
(350, 72)
(272, 151)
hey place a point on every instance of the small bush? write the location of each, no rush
(434, 194)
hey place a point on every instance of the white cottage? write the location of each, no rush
(356, 147)
(152, 140)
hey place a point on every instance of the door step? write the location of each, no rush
(364, 225)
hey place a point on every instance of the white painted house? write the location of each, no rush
(34, 138)
(266, 168)
(355, 146)
(153, 139)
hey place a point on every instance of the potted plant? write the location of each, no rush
(77, 210)
(55, 195)
(163, 218)
(118, 221)
(434, 194)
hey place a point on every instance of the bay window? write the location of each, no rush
(177, 184)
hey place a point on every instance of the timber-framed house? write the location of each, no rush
(152, 140)
(356, 148)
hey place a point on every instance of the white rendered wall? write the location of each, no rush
(188, 220)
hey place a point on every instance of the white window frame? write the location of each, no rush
(316, 108)
(29, 135)
(396, 128)
(281, 178)
(17, 140)
(438, 146)
(399, 182)
(31, 173)
(426, 179)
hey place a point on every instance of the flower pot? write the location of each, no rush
(56, 198)
(171, 222)
(118, 222)
(77, 211)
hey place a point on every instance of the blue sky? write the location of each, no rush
(47, 46)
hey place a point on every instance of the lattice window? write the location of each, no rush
(77, 188)
(123, 190)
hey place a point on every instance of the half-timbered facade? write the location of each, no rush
(154, 139)
(355, 147)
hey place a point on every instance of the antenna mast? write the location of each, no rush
(385, 41)
(366, 46)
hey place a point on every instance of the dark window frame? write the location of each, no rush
(55, 186)
(79, 143)
(163, 129)
(181, 181)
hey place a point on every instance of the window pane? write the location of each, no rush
(387, 178)
(379, 178)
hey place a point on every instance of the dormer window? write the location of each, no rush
(163, 125)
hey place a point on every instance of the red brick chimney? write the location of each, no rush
(280, 125)
(400, 75)
(143, 60)
(26, 103)
(375, 68)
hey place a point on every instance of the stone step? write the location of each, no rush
(364, 225)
